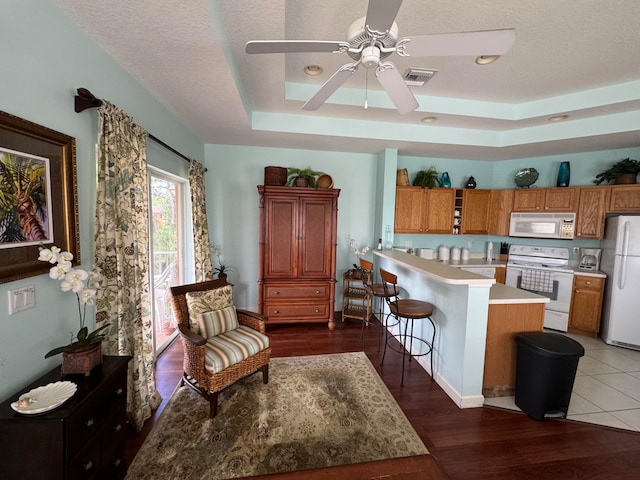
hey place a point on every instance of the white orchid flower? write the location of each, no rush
(87, 296)
(46, 255)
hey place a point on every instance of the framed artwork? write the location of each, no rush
(38, 196)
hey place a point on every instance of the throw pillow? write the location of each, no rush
(207, 301)
(218, 321)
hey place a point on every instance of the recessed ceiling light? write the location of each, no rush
(428, 119)
(486, 59)
(313, 70)
(558, 118)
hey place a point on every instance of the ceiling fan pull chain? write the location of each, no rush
(366, 89)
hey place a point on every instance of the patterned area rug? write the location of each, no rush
(316, 411)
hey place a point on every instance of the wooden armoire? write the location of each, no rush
(297, 254)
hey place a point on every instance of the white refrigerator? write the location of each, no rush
(621, 262)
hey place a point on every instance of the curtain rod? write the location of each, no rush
(85, 99)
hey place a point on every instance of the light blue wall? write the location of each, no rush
(45, 57)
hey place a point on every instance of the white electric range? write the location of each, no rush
(544, 271)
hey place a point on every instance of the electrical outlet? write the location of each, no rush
(21, 299)
(576, 250)
(469, 244)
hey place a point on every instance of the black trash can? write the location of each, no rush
(545, 371)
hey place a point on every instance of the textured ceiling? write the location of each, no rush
(580, 57)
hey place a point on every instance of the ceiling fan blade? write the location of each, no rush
(394, 85)
(330, 86)
(381, 14)
(294, 46)
(488, 42)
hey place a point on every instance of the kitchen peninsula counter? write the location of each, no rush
(476, 321)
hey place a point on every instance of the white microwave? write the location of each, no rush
(542, 225)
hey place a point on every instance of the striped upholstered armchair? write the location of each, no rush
(221, 344)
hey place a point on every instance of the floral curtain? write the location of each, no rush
(201, 245)
(122, 254)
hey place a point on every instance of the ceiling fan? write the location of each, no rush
(372, 38)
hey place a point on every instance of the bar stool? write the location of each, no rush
(410, 310)
(375, 290)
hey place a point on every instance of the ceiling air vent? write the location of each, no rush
(417, 77)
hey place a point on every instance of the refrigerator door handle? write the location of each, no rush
(625, 239)
(623, 272)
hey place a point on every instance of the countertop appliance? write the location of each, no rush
(542, 225)
(620, 323)
(590, 259)
(544, 271)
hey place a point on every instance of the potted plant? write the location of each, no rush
(83, 351)
(624, 171)
(302, 177)
(221, 269)
(356, 273)
(427, 178)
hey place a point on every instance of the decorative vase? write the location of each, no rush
(471, 183)
(625, 179)
(564, 173)
(301, 182)
(222, 276)
(445, 180)
(82, 362)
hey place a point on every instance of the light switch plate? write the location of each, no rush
(21, 299)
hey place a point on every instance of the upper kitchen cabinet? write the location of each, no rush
(591, 212)
(624, 198)
(528, 200)
(475, 211)
(501, 204)
(562, 199)
(423, 210)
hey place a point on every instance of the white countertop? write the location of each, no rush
(436, 269)
(589, 273)
(474, 262)
(453, 274)
(504, 294)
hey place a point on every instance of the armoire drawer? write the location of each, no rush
(275, 311)
(291, 291)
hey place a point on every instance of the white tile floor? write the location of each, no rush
(606, 390)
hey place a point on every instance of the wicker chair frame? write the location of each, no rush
(195, 374)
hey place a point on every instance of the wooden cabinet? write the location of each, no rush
(297, 254)
(504, 322)
(423, 210)
(528, 200)
(586, 304)
(355, 303)
(82, 439)
(624, 199)
(501, 275)
(500, 206)
(591, 212)
(475, 211)
(562, 199)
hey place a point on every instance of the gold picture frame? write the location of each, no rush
(22, 141)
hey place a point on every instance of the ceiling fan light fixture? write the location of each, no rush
(429, 119)
(313, 70)
(558, 118)
(486, 59)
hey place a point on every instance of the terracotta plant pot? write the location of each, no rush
(301, 182)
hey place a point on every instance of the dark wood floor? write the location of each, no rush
(477, 443)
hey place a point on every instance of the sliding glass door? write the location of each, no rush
(167, 227)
